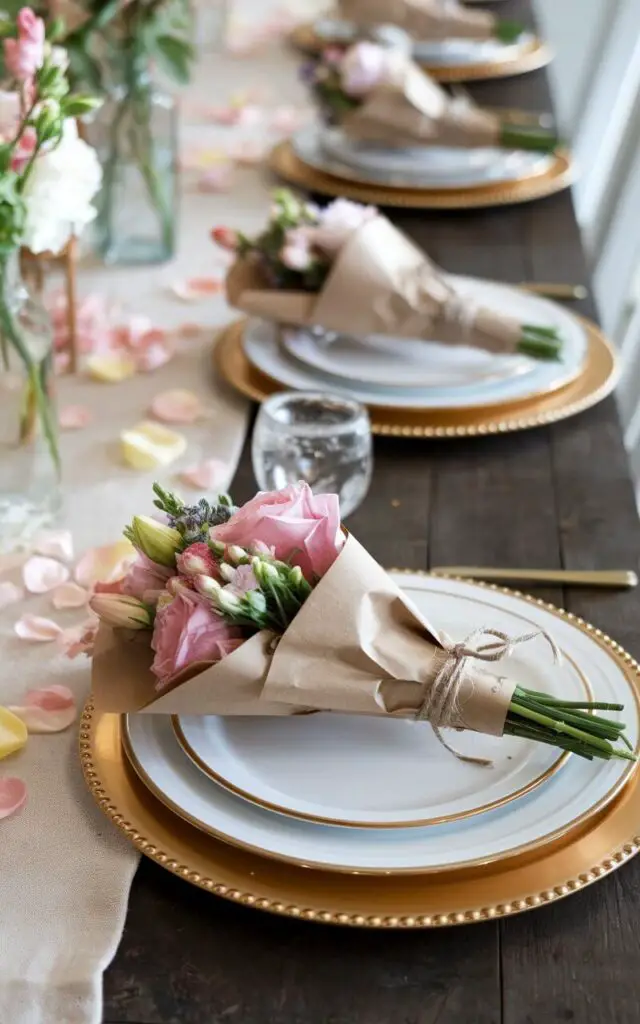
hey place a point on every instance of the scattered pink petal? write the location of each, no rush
(74, 417)
(13, 795)
(9, 593)
(61, 362)
(197, 288)
(104, 564)
(69, 595)
(55, 544)
(217, 179)
(81, 641)
(155, 352)
(37, 629)
(287, 119)
(42, 574)
(176, 406)
(248, 152)
(207, 475)
(239, 113)
(190, 330)
(50, 709)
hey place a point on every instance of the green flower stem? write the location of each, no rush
(515, 136)
(143, 145)
(540, 342)
(36, 391)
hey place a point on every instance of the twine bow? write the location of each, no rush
(441, 706)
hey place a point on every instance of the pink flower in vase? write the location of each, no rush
(25, 55)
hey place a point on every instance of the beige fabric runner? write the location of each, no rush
(65, 872)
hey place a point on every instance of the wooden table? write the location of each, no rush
(558, 496)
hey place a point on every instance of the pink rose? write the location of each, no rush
(300, 526)
(338, 221)
(296, 253)
(187, 631)
(25, 55)
(146, 578)
(363, 67)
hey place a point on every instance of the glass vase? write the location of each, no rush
(29, 454)
(135, 134)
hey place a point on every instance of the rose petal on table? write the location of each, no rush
(104, 564)
(50, 709)
(287, 119)
(176, 406)
(9, 593)
(189, 330)
(80, 640)
(74, 417)
(149, 445)
(13, 795)
(41, 574)
(13, 734)
(51, 698)
(207, 475)
(153, 351)
(69, 595)
(55, 544)
(61, 362)
(112, 367)
(195, 289)
(37, 629)
(217, 179)
(247, 152)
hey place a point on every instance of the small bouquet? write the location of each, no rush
(347, 269)
(429, 20)
(272, 609)
(378, 95)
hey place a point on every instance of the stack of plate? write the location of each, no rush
(324, 816)
(426, 388)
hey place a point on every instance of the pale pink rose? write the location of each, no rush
(299, 526)
(296, 252)
(187, 631)
(146, 579)
(363, 67)
(25, 55)
(337, 222)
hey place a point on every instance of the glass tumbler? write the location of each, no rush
(323, 439)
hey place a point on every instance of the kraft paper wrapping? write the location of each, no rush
(380, 283)
(410, 108)
(421, 19)
(357, 646)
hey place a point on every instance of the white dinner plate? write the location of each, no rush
(412, 373)
(565, 799)
(442, 165)
(309, 145)
(437, 53)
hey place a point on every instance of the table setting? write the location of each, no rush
(268, 447)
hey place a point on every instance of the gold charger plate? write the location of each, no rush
(517, 59)
(597, 380)
(589, 852)
(284, 162)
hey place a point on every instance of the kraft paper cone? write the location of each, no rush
(380, 283)
(411, 109)
(357, 646)
(421, 19)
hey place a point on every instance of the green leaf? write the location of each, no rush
(175, 55)
(76, 106)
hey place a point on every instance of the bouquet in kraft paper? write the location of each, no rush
(429, 20)
(273, 609)
(347, 269)
(379, 95)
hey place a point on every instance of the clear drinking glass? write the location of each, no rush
(323, 439)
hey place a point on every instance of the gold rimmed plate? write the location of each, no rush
(284, 162)
(518, 59)
(592, 849)
(596, 381)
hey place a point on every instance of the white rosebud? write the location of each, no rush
(237, 554)
(227, 572)
(229, 602)
(207, 586)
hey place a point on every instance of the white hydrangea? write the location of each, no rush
(59, 193)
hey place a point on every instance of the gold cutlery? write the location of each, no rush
(513, 116)
(613, 578)
(556, 291)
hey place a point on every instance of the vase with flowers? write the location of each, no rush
(48, 178)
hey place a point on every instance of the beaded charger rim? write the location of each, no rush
(608, 839)
(596, 381)
(517, 60)
(284, 162)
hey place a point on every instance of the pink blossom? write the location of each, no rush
(300, 526)
(338, 221)
(25, 55)
(197, 560)
(243, 581)
(363, 67)
(226, 238)
(186, 631)
(24, 149)
(296, 252)
(146, 579)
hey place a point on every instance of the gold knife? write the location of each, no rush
(613, 578)
(556, 291)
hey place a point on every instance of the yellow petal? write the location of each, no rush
(13, 733)
(148, 445)
(112, 367)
